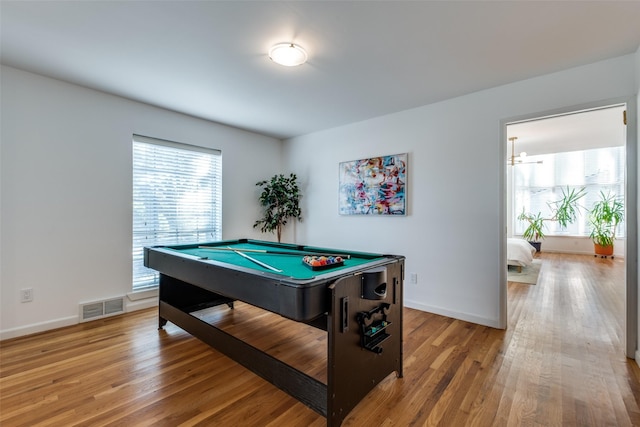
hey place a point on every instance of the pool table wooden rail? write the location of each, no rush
(301, 300)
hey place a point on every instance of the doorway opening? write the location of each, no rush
(583, 152)
(573, 150)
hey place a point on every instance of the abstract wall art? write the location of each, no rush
(374, 186)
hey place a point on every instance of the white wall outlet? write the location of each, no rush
(413, 278)
(26, 295)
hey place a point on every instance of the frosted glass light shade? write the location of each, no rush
(288, 54)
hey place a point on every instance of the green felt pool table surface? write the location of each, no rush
(290, 264)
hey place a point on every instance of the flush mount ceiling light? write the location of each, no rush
(288, 54)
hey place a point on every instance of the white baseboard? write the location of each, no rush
(35, 328)
(638, 357)
(554, 251)
(492, 323)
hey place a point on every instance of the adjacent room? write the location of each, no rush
(420, 147)
(560, 170)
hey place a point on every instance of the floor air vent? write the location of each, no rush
(100, 309)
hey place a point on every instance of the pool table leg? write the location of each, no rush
(161, 322)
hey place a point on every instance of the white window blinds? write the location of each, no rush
(596, 170)
(177, 198)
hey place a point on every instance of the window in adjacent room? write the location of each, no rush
(536, 184)
(177, 199)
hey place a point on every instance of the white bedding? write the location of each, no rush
(519, 252)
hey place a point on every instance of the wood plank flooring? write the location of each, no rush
(559, 363)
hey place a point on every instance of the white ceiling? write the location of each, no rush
(580, 130)
(366, 59)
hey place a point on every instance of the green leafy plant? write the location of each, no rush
(534, 232)
(280, 199)
(565, 211)
(605, 215)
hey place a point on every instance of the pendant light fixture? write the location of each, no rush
(521, 157)
(288, 54)
(513, 151)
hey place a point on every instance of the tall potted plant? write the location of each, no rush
(534, 231)
(280, 199)
(564, 211)
(605, 215)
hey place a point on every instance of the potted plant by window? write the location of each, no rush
(564, 211)
(280, 199)
(533, 233)
(604, 216)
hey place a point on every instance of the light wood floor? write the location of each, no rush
(559, 363)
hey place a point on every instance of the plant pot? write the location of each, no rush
(537, 245)
(603, 250)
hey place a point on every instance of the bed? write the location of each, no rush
(519, 253)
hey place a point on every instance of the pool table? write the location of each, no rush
(356, 297)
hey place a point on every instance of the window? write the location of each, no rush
(176, 199)
(596, 170)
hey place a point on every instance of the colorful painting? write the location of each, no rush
(375, 186)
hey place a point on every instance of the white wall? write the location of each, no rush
(453, 235)
(66, 192)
